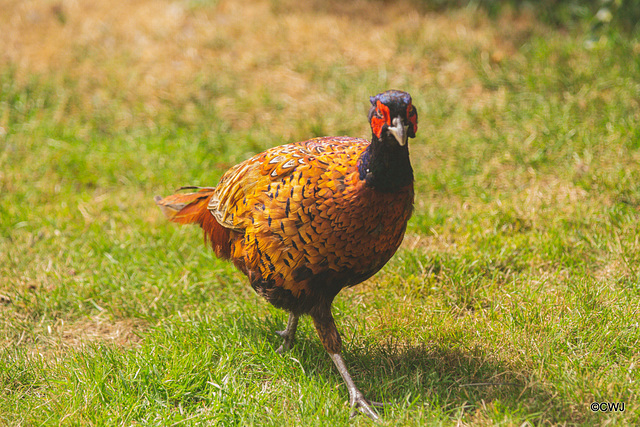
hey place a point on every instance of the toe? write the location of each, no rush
(363, 406)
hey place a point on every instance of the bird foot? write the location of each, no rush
(364, 406)
(287, 343)
(288, 334)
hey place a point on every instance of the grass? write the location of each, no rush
(514, 299)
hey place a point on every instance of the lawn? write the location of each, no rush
(514, 299)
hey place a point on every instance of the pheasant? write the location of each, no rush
(304, 220)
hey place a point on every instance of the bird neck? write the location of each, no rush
(385, 165)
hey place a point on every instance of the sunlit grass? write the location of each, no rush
(514, 297)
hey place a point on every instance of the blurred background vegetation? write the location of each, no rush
(619, 15)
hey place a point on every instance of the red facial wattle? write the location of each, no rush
(381, 117)
(413, 117)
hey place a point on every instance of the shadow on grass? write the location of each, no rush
(449, 380)
(441, 378)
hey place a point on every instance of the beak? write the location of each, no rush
(399, 131)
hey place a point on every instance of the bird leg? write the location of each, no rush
(356, 398)
(328, 333)
(288, 334)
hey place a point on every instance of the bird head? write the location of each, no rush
(392, 116)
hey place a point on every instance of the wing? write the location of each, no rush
(243, 188)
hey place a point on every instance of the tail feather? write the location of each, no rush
(186, 208)
(190, 208)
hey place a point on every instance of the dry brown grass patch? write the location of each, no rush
(149, 52)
